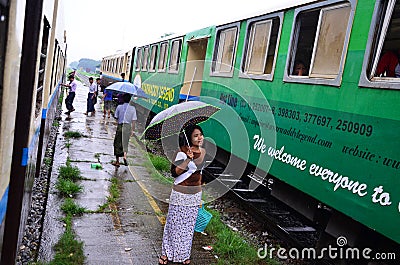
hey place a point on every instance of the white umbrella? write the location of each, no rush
(127, 87)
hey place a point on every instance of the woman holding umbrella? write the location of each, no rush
(185, 198)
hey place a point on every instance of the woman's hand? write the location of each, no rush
(190, 154)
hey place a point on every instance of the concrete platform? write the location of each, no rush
(132, 232)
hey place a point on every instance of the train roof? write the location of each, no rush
(269, 10)
(279, 7)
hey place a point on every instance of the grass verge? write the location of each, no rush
(71, 134)
(230, 247)
(68, 249)
(114, 190)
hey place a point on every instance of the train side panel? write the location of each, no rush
(342, 135)
(36, 97)
(12, 54)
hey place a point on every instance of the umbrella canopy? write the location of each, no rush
(127, 87)
(171, 120)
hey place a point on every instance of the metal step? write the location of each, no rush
(230, 180)
(260, 180)
(257, 200)
(300, 229)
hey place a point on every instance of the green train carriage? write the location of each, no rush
(334, 129)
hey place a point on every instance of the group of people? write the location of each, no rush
(125, 113)
(188, 162)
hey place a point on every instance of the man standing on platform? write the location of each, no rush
(71, 94)
(91, 95)
(126, 116)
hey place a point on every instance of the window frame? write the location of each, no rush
(138, 59)
(218, 31)
(164, 69)
(292, 50)
(175, 71)
(153, 60)
(250, 23)
(145, 60)
(378, 82)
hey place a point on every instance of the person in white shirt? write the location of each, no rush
(91, 95)
(126, 116)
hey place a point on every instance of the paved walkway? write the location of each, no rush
(132, 233)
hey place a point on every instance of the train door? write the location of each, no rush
(192, 83)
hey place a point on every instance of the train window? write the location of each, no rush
(121, 65)
(261, 47)
(128, 65)
(381, 67)
(145, 58)
(319, 43)
(162, 59)
(138, 59)
(225, 50)
(153, 58)
(42, 67)
(175, 56)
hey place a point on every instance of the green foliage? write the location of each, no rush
(67, 188)
(70, 134)
(229, 245)
(47, 161)
(69, 172)
(160, 162)
(114, 191)
(68, 250)
(88, 64)
(69, 207)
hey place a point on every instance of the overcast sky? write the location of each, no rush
(96, 28)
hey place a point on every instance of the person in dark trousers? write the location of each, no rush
(126, 116)
(91, 96)
(71, 94)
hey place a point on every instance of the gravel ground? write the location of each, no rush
(28, 248)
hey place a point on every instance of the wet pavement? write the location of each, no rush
(130, 232)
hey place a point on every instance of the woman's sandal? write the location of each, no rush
(125, 162)
(162, 260)
(115, 164)
(186, 262)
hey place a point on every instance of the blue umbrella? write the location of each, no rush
(126, 87)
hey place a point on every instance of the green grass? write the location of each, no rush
(115, 193)
(69, 172)
(67, 188)
(69, 251)
(47, 161)
(71, 134)
(160, 163)
(156, 174)
(229, 246)
(69, 207)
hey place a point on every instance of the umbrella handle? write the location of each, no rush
(191, 83)
(187, 140)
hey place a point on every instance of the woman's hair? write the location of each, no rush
(188, 130)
